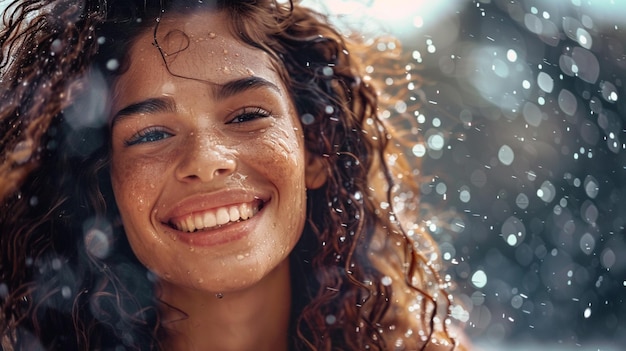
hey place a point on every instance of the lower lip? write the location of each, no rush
(218, 236)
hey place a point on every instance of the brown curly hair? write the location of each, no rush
(59, 289)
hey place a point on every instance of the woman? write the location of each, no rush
(200, 176)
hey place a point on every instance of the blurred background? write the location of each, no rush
(522, 147)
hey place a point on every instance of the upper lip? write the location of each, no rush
(208, 201)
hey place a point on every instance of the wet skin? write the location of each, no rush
(185, 152)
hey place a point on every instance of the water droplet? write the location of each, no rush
(112, 64)
(587, 243)
(587, 312)
(547, 192)
(608, 258)
(66, 292)
(22, 151)
(307, 119)
(56, 46)
(98, 243)
(465, 195)
(219, 295)
(330, 319)
(419, 150)
(522, 201)
(532, 114)
(567, 102)
(511, 55)
(513, 231)
(609, 91)
(545, 82)
(386, 280)
(436, 141)
(506, 155)
(479, 279)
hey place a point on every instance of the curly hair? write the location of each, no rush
(68, 278)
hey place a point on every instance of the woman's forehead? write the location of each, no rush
(199, 46)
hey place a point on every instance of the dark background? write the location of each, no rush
(522, 157)
(537, 140)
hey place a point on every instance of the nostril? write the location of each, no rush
(221, 171)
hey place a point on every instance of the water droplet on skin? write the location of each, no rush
(219, 295)
(212, 35)
(240, 257)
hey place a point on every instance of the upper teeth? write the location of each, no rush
(215, 217)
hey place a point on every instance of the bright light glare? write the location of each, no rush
(397, 14)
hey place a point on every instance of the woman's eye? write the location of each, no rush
(148, 136)
(250, 114)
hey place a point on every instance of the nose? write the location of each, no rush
(204, 159)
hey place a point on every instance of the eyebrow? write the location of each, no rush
(148, 106)
(220, 92)
(239, 86)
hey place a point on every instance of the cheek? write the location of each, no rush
(134, 183)
(283, 150)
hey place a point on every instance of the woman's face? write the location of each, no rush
(209, 178)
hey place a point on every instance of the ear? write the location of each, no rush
(315, 172)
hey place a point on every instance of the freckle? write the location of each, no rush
(212, 35)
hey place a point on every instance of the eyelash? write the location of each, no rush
(249, 114)
(148, 135)
(154, 134)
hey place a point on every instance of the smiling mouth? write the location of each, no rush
(216, 218)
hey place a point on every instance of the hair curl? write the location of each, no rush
(60, 290)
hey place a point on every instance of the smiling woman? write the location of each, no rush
(232, 192)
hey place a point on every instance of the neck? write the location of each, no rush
(254, 318)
